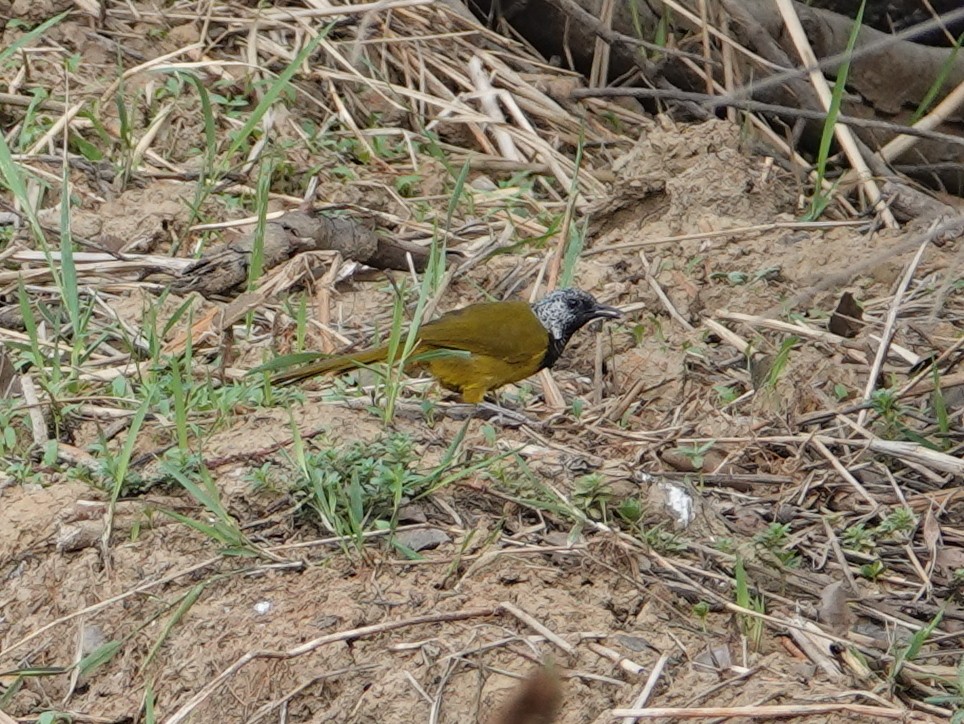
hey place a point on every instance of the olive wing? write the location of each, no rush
(509, 331)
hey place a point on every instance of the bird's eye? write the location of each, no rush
(572, 303)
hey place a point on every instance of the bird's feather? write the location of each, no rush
(509, 331)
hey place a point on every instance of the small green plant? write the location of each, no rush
(639, 332)
(738, 278)
(726, 393)
(733, 278)
(15, 439)
(725, 545)
(910, 652)
(859, 538)
(22, 471)
(265, 478)
(774, 536)
(893, 415)
(660, 539)
(751, 626)
(897, 524)
(779, 362)
(775, 540)
(408, 185)
(631, 510)
(55, 717)
(591, 494)
(359, 487)
(696, 453)
(577, 406)
(701, 610)
(886, 404)
(873, 570)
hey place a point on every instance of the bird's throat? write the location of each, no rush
(553, 352)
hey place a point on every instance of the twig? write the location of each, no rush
(648, 688)
(765, 712)
(910, 451)
(731, 338)
(917, 384)
(844, 473)
(627, 665)
(658, 290)
(712, 102)
(488, 100)
(599, 73)
(38, 425)
(942, 110)
(817, 648)
(788, 327)
(888, 331)
(536, 626)
(832, 61)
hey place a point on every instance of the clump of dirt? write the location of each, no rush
(135, 220)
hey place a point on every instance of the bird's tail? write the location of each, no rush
(332, 365)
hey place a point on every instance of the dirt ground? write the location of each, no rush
(465, 621)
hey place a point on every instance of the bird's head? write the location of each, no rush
(564, 311)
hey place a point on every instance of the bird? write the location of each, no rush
(492, 344)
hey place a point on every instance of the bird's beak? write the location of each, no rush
(605, 312)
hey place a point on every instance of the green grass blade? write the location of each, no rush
(99, 656)
(456, 195)
(33, 334)
(273, 92)
(820, 200)
(938, 85)
(179, 396)
(207, 113)
(68, 282)
(574, 240)
(574, 247)
(262, 196)
(913, 648)
(27, 38)
(11, 173)
(780, 362)
(149, 715)
(189, 599)
(127, 451)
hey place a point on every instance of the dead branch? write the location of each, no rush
(227, 267)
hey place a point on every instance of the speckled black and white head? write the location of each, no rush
(565, 311)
